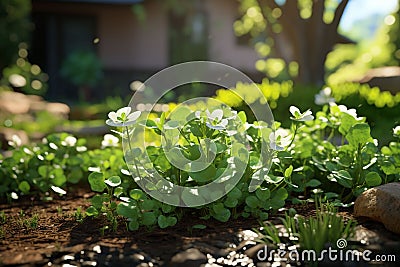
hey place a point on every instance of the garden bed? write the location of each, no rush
(67, 204)
(50, 233)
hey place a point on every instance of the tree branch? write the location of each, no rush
(339, 13)
(271, 3)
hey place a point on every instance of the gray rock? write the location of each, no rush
(252, 252)
(381, 204)
(188, 258)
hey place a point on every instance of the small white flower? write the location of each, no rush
(279, 139)
(396, 131)
(14, 195)
(69, 141)
(94, 169)
(58, 190)
(324, 97)
(352, 112)
(109, 140)
(376, 143)
(15, 141)
(298, 116)
(126, 172)
(53, 146)
(81, 148)
(123, 117)
(215, 120)
(197, 114)
(27, 151)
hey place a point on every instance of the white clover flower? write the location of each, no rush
(298, 116)
(14, 195)
(376, 143)
(109, 140)
(53, 146)
(215, 120)
(396, 131)
(94, 169)
(81, 148)
(352, 112)
(123, 117)
(197, 114)
(324, 97)
(279, 139)
(15, 141)
(58, 190)
(69, 141)
(27, 151)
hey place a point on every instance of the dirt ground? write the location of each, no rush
(34, 232)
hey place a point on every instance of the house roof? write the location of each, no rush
(116, 2)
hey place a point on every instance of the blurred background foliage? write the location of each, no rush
(301, 50)
(302, 40)
(351, 61)
(15, 27)
(293, 38)
(16, 72)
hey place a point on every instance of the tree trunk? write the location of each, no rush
(308, 40)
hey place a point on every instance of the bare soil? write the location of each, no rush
(34, 232)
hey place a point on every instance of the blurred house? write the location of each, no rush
(135, 38)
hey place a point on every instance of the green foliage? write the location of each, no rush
(372, 96)
(326, 227)
(348, 62)
(14, 28)
(272, 91)
(381, 108)
(30, 223)
(346, 155)
(393, 21)
(96, 181)
(79, 215)
(82, 68)
(23, 76)
(332, 156)
(41, 122)
(59, 160)
(3, 217)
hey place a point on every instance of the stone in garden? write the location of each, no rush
(188, 258)
(17, 103)
(382, 204)
(14, 103)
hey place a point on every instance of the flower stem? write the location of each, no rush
(294, 135)
(130, 151)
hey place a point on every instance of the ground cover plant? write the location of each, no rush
(378, 106)
(329, 154)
